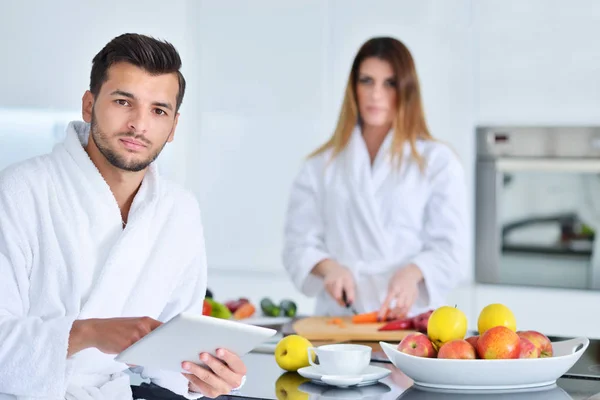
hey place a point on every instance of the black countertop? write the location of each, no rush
(265, 380)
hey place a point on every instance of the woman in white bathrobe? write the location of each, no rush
(379, 212)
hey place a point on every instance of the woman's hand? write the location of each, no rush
(337, 279)
(404, 289)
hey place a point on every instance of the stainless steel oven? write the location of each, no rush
(537, 214)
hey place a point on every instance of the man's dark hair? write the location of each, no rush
(154, 56)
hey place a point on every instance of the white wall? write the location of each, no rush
(260, 108)
(47, 50)
(538, 62)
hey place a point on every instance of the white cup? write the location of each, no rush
(341, 359)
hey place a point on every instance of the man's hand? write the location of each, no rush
(110, 336)
(223, 374)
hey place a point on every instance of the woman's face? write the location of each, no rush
(376, 92)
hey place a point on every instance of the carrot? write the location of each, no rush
(368, 318)
(336, 321)
(365, 318)
(244, 311)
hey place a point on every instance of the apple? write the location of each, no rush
(417, 344)
(539, 340)
(291, 353)
(457, 349)
(528, 349)
(473, 340)
(498, 342)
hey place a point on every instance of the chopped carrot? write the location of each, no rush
(336, 321)
(246, 310)
(367, 318)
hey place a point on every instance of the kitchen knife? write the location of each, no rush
(348, 305)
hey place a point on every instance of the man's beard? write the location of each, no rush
(101, 141)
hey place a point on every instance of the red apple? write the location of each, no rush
(528, 349)
(473, 341)
(498, 342)
(457, 349)
(417, 344)
(539, 340)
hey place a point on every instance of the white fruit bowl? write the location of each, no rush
(488, 374)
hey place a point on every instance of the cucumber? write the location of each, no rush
(269, 308)
(289, 308)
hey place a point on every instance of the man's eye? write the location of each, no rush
(122, 102)
(160, 112)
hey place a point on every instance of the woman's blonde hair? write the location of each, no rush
(409, 123)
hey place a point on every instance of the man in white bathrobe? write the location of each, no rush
(96, 249)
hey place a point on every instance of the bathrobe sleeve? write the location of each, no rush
(445, 254)
(304, 245)
(27, 344)
(188, 297)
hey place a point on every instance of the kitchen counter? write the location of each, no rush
(265, 380)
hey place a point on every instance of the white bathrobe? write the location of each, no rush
(64, 256)
(377, 219)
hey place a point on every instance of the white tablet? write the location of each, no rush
(185, 336)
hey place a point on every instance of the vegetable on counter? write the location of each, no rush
(398, 325)
(246, 310)
(218, 310)
(289, 308)
(336, 321)
(286, 308)
(206, 308)
(233, 305)
(367, 318)
(269, 308)
(418, 322)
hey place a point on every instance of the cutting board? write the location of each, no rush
(318, 328)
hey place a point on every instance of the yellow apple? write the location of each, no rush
(494, 315)
(291, 353)
(445, 325)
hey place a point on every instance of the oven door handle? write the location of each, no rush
(546, 164)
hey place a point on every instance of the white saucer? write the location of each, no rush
(324, 392)
(371, 375)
